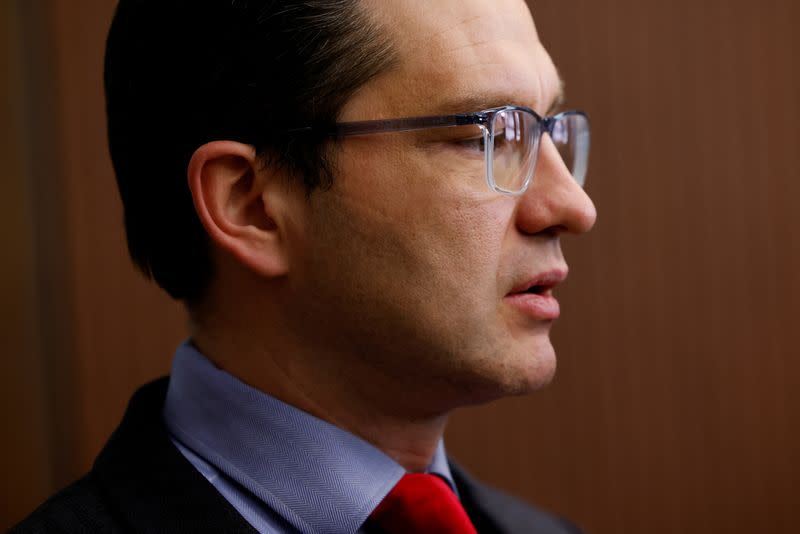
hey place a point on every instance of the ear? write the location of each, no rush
(240, 205)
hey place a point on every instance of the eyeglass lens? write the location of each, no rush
(570, 134)
(516, 144)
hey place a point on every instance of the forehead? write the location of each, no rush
(457, 53)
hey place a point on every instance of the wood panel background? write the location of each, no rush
(676, 404)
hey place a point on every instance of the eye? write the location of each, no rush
(461, 141)
(473, 144)
(503, 139)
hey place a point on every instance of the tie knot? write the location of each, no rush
(423, 504)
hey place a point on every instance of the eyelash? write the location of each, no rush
(475, 144)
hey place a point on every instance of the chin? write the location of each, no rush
(515, 371)
(533, 373)
(539, 377)
(524, 356)
(528, 362)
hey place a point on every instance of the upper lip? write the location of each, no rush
(546, 281)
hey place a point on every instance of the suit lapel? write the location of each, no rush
(150, 486)
(494, 512)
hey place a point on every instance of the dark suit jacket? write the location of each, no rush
(141, 483)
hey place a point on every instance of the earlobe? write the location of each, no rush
(227, 186)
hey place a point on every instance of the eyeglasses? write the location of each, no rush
(508, 138)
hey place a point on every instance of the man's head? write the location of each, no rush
(401, 274)
(181, 73)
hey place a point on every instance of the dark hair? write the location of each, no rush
(181, 73)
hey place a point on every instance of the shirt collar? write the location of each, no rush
(319, 477)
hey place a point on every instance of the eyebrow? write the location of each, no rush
(471, 102)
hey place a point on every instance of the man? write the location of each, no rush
(368, 238)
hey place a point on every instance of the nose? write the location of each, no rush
(554, 202)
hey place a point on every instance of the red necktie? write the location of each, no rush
(422, 504)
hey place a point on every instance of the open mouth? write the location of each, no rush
(534, 297)
(541, 285)
(537, 290)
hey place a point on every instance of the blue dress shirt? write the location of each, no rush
(283, 469)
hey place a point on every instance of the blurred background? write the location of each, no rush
(676, 405)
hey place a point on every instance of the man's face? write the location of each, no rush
(406, 265)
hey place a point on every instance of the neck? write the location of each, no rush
(329, 386)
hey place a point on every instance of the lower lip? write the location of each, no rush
(543, 307)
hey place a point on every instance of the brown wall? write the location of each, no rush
(83, 329)
(25, 446)
(675, 408)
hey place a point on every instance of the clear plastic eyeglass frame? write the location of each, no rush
(569, 131)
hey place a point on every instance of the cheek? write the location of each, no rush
(398, 234)
(429, 217)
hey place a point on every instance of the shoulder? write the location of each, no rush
(139, 483)
(495, 511)
(76, 508)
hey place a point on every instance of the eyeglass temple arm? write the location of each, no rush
(345, 129)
